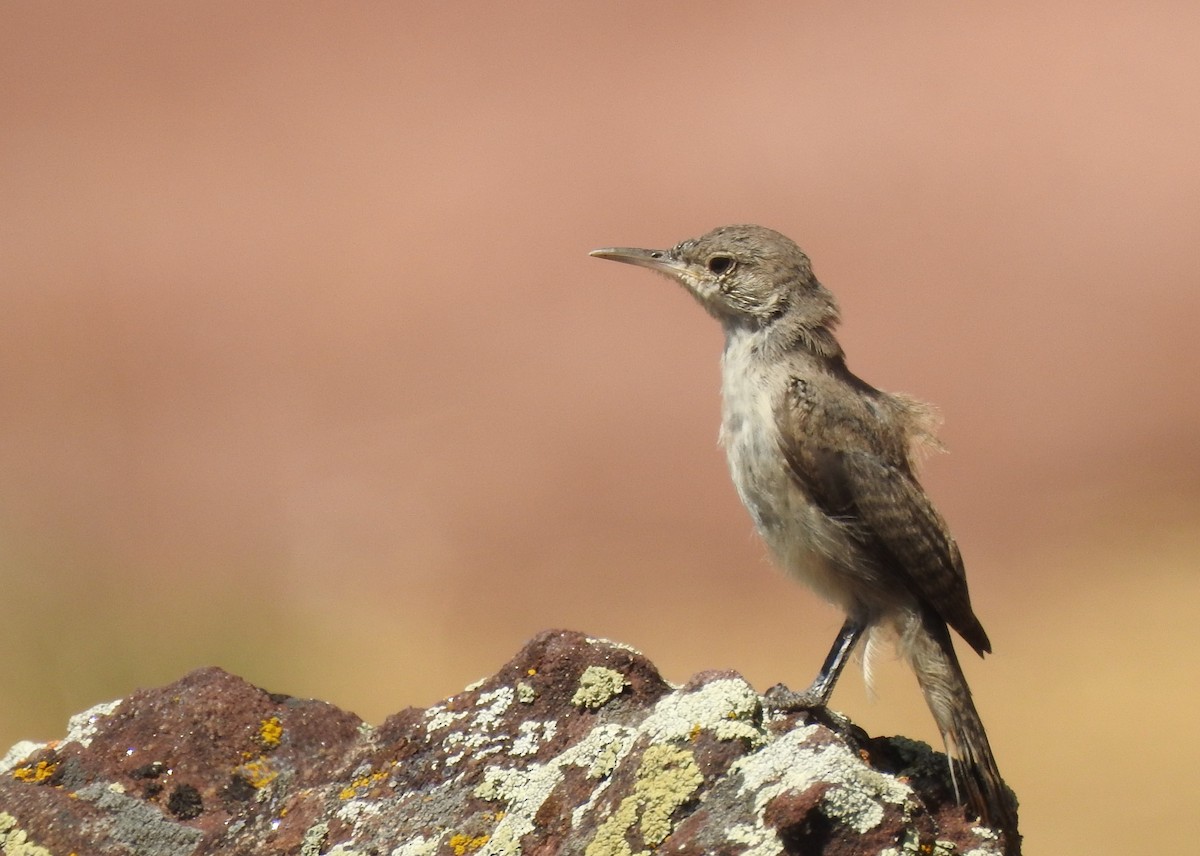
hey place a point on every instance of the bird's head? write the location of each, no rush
(745, 276)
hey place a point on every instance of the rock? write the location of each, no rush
(576, 746)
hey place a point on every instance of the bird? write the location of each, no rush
(827, 466)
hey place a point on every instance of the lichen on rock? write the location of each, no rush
(576, 746)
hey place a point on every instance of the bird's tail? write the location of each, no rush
(928, 648)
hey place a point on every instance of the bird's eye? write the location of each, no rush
(720, 264)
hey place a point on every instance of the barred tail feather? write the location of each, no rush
(928, 648)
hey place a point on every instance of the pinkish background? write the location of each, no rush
(305, 371)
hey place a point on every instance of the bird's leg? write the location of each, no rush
(816, 697)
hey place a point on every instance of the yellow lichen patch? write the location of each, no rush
(270, 732)
(258, 773)
(464, 844)
(35, 773)
(531, 672)
(695, 732)
(360, 785)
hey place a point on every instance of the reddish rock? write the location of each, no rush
(576, 746)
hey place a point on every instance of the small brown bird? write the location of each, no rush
(826, 465)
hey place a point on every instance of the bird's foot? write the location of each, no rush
(813, 703)
(780, 698)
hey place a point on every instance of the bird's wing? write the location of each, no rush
(886, 507)
(898, 513)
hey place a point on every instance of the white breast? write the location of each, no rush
(803, 540)
(749, 434)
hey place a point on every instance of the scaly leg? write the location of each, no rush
(780, 698)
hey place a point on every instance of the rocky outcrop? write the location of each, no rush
(576, 746)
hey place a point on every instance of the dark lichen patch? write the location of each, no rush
(185, 802)
(239, 789)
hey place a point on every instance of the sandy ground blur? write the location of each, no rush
(305, 371)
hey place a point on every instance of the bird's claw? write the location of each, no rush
(783, 700)
(780, 699)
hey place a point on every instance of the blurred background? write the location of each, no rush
(305, 371)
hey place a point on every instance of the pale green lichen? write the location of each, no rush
(860, 810)
(419, 846)
(610, 837)
(726, 707)
(14, 841)
(474, 731)
(18, 753)
(530, 736)
(791, 763)
(667, 776)
(525, 693)
(606, 761)
(742, 717)
(314, 839)
(597, 642)
(666, 779)
(354, 811)
(678, 718)
(524, 791)
(744, 833)
(437, 717)
(597, 686)
(492, 706)
(737, 730)
(82, 727)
